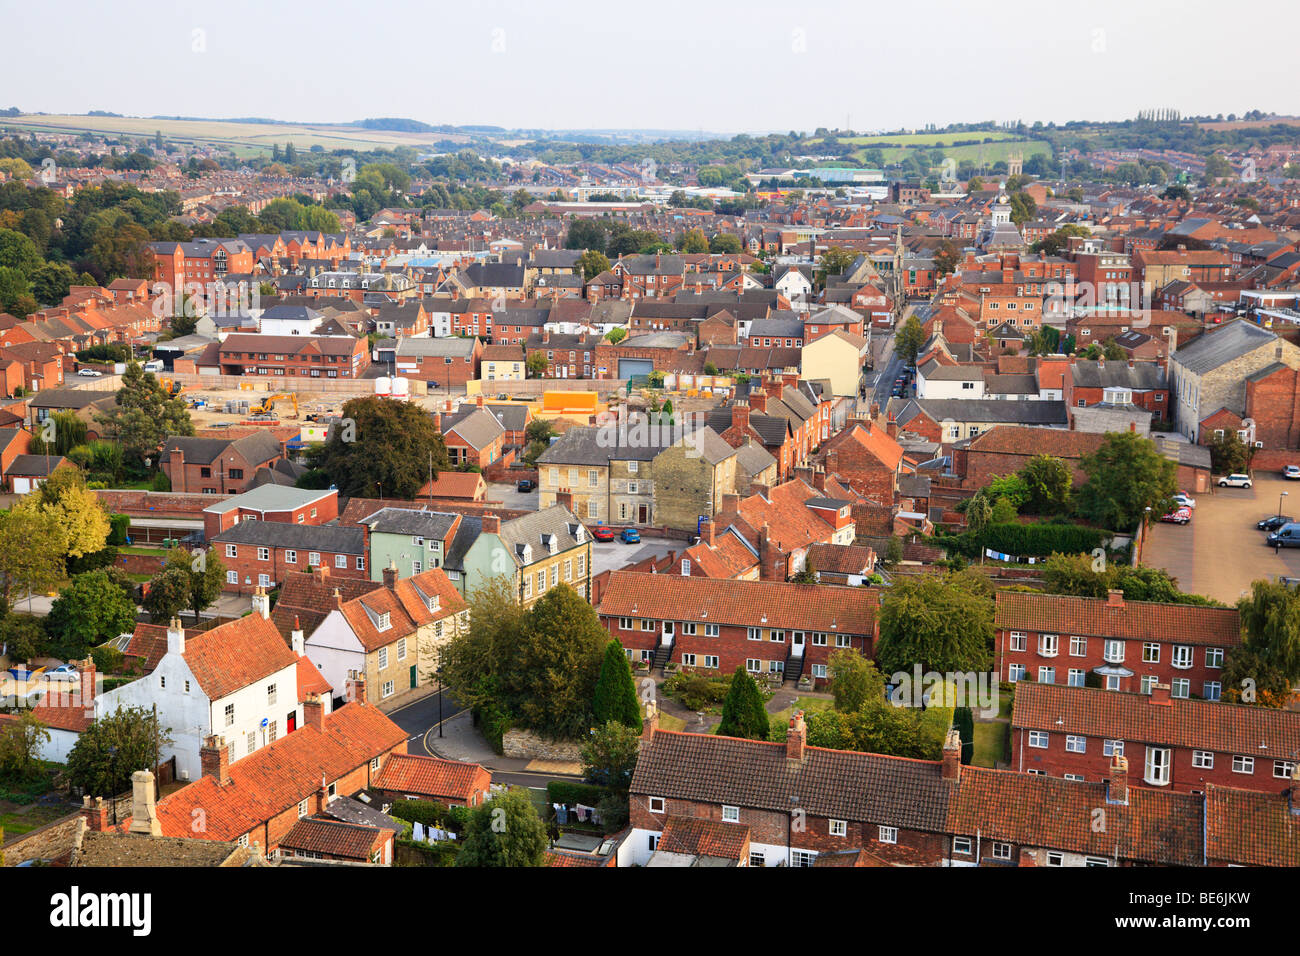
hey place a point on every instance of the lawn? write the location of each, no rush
(671, 722)
(990, 743)
(15, 821)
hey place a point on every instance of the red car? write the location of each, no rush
(1178, 516)
(602, 533)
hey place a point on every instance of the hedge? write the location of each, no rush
(563, 791)
(1041, 539)
(119, 525)
(430, 813)
(414, 853)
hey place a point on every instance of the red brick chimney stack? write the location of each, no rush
(952, 756)
(390, 575)
(214, 759)
(796, 738)
(313, 712)
(491, 524)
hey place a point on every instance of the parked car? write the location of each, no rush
(89, 373)
(526, 485)
(1291, 472)
(630, 536)
(1235, 481)
(1184, 500)
(1178, 516)
(1274, 522)
(1287, 536)
(63, 672)
(602, 532)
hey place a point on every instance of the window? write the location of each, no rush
(291, 557)
(1214, 657)
(656, 804)
(753, 665)
(1000, 851)
(802, 858)
(730, 814)
(1180, 687)
(230, 714)
(270, 694)
(889, 834)
(1112, 748)
(1211, 689)
(1150, 653)
(1055, 859)
(264, 580)
(961, 845)
(1015, 672)
(647, 624)
(264, 554)
(1282, 769)
(340, 560)
(1114, 652)
(710, 630)
(1078, 647)
(688, 660)
(839, 828)
(302, 809)
(401, 649)
(754, 634)
(1243, 764)
(383, 658)
(1076, 678)
(387, 689)
(1146, 683)
(1182, 656)
(361, 563)
(1047, 645)
(232, 550)
(313, 558)
(1047, 675)
(711, 661)
(624, 623)
(1157, 766)
(1038, 739)
(232, 577)
(818, 639)
(252, 741)
(1203, 759)
(1017, 641)
(1076, 744)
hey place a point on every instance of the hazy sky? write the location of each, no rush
(717, 65)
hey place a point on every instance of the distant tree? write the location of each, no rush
(979, 514)
(833, 262)
(1270, 626)
(536, 365)
(198, 576)
(692, 242)
(941, 623)
(593, 263)
(725, 244)
(743, 713)
(1049, 482)
(854, 680)
(384, 447)
(504, 831)
(616, 335)
(1228, 453)
(82, 520)
(21, 741)
(168, 594)
(805, 575)
(552, 674)
(143, 416)
(908, 340)
(945, 258)
(90, 610)
(609, 755)
(615, 698)
(32, 551)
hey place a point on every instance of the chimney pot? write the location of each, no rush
(796, 737)
(144, 815)
(214, 759)
(390, 575)
(1115, 598)
(952, 755)
(1160, 694)
(313, 712)
(1118, 786)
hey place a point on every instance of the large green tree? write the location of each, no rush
(504, 831)
(143, 416)
(20, 745)
(32, 553)
(115, 746)
(609, 755)
(1126, 475)
(944, 623)
(92, 609)
(1048, 482)
(743, 713)
(855, 680)
(908, 340)
(615, 697)
(82, 520)
(1270, 626)
(383, 447)
(551, 677)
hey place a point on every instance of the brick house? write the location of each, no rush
(1143, 384)
(217, 466)
(264, 553)
(294, 356)
(442, 362)
(1179, 744)
(716, 625)
(449, 782)
(475, 439)
(1127, 645)
(865, 458)
(272, 503)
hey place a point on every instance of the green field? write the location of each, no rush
(243, 138)
(921, 139)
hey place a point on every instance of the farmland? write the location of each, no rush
(244, 138)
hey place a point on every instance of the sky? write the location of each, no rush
(715, 65)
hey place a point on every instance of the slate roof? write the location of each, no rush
(994, 410)
(261, 446)
(302, 537)
(1222, 345)
(1097, 374)
(478, 429)
(426, 524)
(529, 529)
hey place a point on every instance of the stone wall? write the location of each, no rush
(54, 841)
(524, 745)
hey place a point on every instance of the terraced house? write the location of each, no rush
(1114, 644)
(535, 552)
(772, 629)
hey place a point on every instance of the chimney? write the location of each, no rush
(952, 755)
(144, 814)
(758, 400)
(651, 723)
(261, 602)
(296, 638)
(390, 575)
(760, 489)
(177, 464)
(214, 759)
(730, 504)
(313, 712)
(491, 524)
(1008, 276)
(891, 427)
(875, 409)
(740, 414)
(175, 637)
(833, 461)
(96, 813)
(706, 532)
(1117, 787)
(1160, 694)
(356, 689)
(1115, 598)
(796, 737)
(819, 479)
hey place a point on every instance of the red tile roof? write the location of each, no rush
(333, 839)
(823, 607)
(235, 655)
(432, 777)
(310, 680)
(1200, 724)
(699, 837)
(1251, 828)
(1131, 620)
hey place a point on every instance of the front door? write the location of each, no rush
(413, 676)
(796, 644)
(643, 515)
(668, 632)
(292, 722)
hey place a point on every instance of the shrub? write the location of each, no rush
(1041, 539)
(119, 525)
(566, 792)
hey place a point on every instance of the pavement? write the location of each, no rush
(511, 497)
(1220, 552)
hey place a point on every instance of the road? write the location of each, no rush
(888, 370)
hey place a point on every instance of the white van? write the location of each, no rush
(154, 366)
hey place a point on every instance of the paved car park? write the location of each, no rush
(511, 497)
(612, 555)
(1220, 552)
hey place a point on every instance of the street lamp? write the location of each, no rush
(1279, 502)
(112, 753)
(439, 673)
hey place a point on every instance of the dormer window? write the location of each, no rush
(435, 603)
(385, 622)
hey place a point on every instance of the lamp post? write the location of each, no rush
(439, 673)
(112, 753)
(1279, 502)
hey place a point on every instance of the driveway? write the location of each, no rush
(612, 555)
(1220, 553)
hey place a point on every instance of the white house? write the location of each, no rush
(239, 681)
(949, 381)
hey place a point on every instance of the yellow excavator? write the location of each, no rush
(270, 403)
